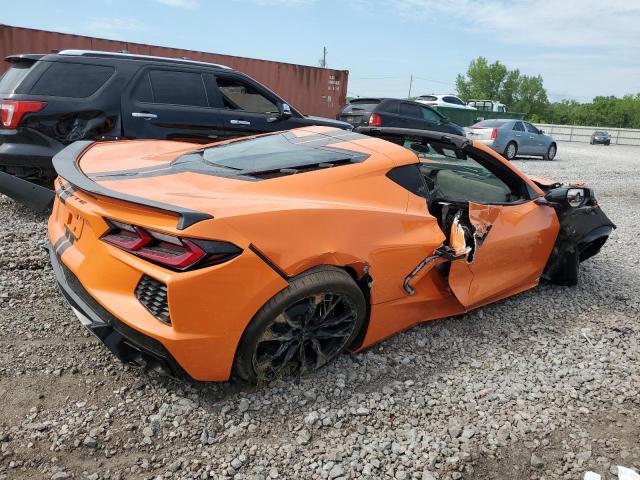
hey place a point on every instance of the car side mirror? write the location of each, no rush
(541, 132)
(284, 113)
(572, 196)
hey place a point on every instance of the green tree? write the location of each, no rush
(493, 81)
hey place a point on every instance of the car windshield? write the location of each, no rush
(489, 124)
(274, 152)
(600, 132)
(429, 98)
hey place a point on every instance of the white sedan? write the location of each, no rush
(443, 100)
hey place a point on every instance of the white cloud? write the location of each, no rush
(186, 4)
(548, 23)
(115, 24)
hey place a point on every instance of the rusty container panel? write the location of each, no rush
(311, 90)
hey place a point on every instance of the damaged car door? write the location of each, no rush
(506, 236)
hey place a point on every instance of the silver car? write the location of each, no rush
(512, 138)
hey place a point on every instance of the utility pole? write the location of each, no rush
(410, 85)
(323, 60)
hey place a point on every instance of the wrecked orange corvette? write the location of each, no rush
(270, 255)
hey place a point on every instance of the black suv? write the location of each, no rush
(50, 101)
(393, 112)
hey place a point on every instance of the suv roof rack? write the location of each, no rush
(135, 56)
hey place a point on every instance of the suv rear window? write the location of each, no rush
(361, 106)
(12, 78)
(74, 80)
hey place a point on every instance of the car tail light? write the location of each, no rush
(375, 120)
(170, 251)
(494, 134)
(12, 111)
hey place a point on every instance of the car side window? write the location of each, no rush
(410, 110)
(239, 95)
(454, 100)
(518, 127)
(462, 176)
(430, 115)
(178, 88)
(531, 128)
(142, 91)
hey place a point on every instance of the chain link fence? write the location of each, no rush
(574, 133)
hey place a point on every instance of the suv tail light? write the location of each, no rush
(375, 120)
(494, 134)
(12, 111)
(170, 251)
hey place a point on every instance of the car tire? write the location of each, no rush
(303, 327)
(551, 152)
(591, 141)
(511, 150)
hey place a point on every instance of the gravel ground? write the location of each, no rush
(544, 385)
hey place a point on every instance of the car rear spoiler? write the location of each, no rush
(457, 141)
(34, 196)
(66, 164)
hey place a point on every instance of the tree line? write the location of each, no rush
(526, 94)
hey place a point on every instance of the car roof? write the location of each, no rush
(133, 56)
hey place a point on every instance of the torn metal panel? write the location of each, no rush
(34, 196)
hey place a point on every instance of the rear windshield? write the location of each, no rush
(12, 78)
(489, 124)
(429, 98)
(361, 105)
(74, 80)
(271, 152)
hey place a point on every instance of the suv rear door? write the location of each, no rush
(173, 104)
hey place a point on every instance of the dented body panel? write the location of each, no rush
(413, 261)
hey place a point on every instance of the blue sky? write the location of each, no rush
(582, 48)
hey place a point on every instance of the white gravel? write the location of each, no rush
(544, 385)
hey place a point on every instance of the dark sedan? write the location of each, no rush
(392, 112)
(601, 137)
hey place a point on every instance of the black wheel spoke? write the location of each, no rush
(323, 334)
(321, 358)
(305, 335)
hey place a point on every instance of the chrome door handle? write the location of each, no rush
(145, 115)
(518, 135)
(239, 122)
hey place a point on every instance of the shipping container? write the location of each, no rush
(311, 90)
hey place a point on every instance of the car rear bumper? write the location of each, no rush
(126, 343)
(209, 308)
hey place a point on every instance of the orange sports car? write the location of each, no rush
(270, 255)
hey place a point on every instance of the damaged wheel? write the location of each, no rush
(303, 327)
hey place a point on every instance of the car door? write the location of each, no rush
(538, 144)
(411, 116)
(511, 236)
(433, 121)
(247, 108)
(521, 138)
(166, 103)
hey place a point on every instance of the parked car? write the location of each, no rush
(270, 255)
(50, 101)
(600, 136)
(513, 137)
(443, 100)
(393, 112)
(488, 105)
